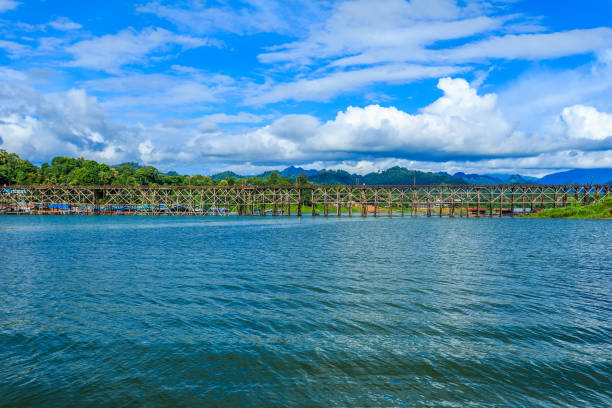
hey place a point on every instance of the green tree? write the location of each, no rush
(302, 179)
(148, 176)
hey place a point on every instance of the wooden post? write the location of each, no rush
(490, 202)
(339, 205)
(478, 203)
(364, 204)
(312, 203)
(300, 201)
(96, 202)
(428, 202)
(512, 203)
(390, 209)
(576, 194)
(288, 203)
(502, 193)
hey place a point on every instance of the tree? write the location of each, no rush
(147, 176)
(302, 179)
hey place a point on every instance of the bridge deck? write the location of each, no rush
(439, 200)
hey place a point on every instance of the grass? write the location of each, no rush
(599, 209)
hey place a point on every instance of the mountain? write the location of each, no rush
(296, 171)
(579, 176)
(506, 178)
(225, 175)
(480, 179)
(333, 177)
(492, 179)
(402, 176)
(393, 176)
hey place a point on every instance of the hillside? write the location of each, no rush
(579, 176)
(492, 179)
(333, 177)
(393, 176)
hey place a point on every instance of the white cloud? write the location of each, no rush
(462, 130)
(374, 32)
(536, 98)
(14, 49)
(248, 17)
(369, 31)
(327, 87)
(39, 126)
(528, 46)
(587, 122)
(65, 24)
(6, 5)
(110, 52)
(537, 165)
(460, 124)
(374, 36)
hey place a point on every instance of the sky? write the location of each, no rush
(197, 86)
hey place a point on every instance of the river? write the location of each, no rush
(317, 312)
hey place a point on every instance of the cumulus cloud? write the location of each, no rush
(110, 52)
(461, 130)
(460, 125)
(587, 122)
(39, 126)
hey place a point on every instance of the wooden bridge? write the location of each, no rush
(439, 200)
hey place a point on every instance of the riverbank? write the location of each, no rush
(599, 210)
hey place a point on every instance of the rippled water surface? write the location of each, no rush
(103, 311)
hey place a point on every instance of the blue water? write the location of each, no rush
(145, 311)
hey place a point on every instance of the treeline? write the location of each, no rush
(392, 176)
(82, 172)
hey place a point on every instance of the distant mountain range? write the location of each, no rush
(402, 176)
(579, 176)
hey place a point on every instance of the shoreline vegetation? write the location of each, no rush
(600, 209)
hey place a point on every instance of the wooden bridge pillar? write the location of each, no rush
(97, 195)
(364, 204)
(312, 203)
(288, 204)
(299, 205)
(338, 204)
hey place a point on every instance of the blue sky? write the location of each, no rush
(202, 86)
